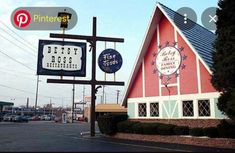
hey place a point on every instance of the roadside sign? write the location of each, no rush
(61, 58)
(110, 61)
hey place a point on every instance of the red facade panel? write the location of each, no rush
(151, 79)
(173, 91)
(166, 31)
(206, 85)
(187, 76)
(136, 89)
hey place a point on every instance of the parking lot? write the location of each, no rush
(51, 136)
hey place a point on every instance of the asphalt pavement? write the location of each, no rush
(46, 136)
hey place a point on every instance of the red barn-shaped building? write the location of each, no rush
(171, 77)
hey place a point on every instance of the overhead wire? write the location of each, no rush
(17, 61)
(25, 41)
(25, 91)
(17, 45)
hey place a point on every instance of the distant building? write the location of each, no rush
(102, 109)
(3, 104)
(170, 81)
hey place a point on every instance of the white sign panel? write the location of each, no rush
(168, 60)
(61, 58)
(58, 57)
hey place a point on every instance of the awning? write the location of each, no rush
(113, 108)
(3, 103)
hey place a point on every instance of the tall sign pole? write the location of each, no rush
(93, 82)
(93, 78)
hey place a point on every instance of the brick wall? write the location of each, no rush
(185, 122)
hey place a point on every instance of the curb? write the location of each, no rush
(224, 143)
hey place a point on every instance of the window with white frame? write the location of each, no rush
(142, 110)
(204, 108)
(188, 108)
(154, 109)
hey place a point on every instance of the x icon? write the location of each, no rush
(212, 18)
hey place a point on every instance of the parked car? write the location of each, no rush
(83, 119)
(45, 118)
(52, 117)
(19, 118)
(1, 117)
(58, 119)
(35, 118)
(8, 117)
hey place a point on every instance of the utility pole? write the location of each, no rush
(36, 99)
(83, 101)
(103, 102)
(118, 91)
(27, 103)
(51, 106)
(73, 100)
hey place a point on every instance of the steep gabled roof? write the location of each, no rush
(199, 39)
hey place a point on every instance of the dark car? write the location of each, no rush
(18, 118)
(1, 117)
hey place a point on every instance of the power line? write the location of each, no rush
(17, 61)
(25, 41)
(16, 89)
(17, 75)
(16, 97)
(22, 42)
(17, 45)
(21, 90)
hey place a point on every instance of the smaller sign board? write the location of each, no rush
(61, 58)
(168, 60)
(110, 61)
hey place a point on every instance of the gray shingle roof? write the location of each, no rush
(200, 38)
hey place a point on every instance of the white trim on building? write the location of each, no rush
(193, 97)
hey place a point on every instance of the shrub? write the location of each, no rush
(226, 130)
(137, 128)
(211, 132)
(196, 132)
(108, 123)
(125, 126)
(121, 126)
(166, 129)
(150, 128)
(181, 130)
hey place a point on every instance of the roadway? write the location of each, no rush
(46, 136)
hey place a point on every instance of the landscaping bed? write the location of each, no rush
(118, 126)
(189, 140)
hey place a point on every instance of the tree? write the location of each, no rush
(223, 77)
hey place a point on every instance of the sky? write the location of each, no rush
(126, 19)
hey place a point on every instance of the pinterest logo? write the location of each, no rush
(22, 18)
